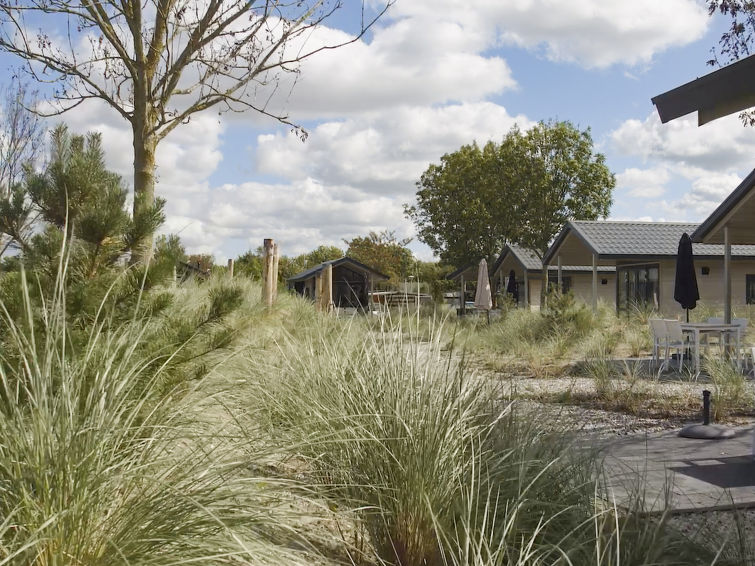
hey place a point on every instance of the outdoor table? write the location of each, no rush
(698, 328)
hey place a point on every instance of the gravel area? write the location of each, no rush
(597, 421)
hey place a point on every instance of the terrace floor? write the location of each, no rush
(683, 474)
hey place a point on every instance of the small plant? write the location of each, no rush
(731, 390)
(637, 339)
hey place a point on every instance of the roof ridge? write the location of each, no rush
(659, 223)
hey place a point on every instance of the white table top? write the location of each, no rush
(715, 326)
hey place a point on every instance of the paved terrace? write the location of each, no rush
(683, 474)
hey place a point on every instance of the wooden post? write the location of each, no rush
(269, 277)
(370, 294)
(594, 283)
(175, 276)
(318, 291)
(462, 298)
(560, 275)
(526, 290)
(327, 288)
(276, 260)
(230, 268)
(727, 276)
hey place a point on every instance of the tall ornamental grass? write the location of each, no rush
(437, 470)
(100, 465)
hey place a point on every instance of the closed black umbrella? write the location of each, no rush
(511, 287)
(685, 284)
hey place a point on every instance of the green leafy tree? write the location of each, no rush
(290, 266)
(560, 178)
(321, 254)
(249, 263)
(383, 252)
(432, 277)
(467, 204)
(520, 191)
(170, 249)
(74, 214)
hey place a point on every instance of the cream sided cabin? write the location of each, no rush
(527, 270)
(528, 273)
(644, 256)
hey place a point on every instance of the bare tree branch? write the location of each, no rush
(157, 62)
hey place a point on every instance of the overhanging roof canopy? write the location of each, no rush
(522, 259)
(612, 240)
(722, 92)
(737, 212)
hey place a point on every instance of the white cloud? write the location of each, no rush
(385, 152)
(708, 190)
(695, 167)
(406, 63)
(299, 215)
(643, 183)
(720, 145)
(592, 33)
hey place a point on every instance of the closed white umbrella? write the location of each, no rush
(483, 300)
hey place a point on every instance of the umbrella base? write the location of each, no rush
(706, 432)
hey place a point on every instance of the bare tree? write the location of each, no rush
(157, 62)
(21, 133)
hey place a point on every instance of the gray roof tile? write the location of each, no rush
(629, 238)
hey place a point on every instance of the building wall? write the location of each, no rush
(582, 287)
(711, 286)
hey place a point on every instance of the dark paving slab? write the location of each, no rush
(682, 474)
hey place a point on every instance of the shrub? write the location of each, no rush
(730, 388)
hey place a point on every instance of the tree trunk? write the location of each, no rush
(145, 144)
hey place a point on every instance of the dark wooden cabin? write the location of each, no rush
(352, 282)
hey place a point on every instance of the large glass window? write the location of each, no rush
(553, 282)
(637, 287)
(750, 289)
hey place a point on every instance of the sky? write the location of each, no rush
(431, 76)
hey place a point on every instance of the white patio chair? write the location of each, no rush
(658, 329)
(676, 340)
(741, 352)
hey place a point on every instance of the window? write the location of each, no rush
(637, 287)
(553, 282)
(750, 289)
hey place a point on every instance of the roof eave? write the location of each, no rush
(712, 223)
(724, 91)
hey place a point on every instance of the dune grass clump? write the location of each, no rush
(731, 390)
(100, 464)
(434, 468)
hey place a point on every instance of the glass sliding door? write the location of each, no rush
(637, 287)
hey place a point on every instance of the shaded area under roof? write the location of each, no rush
(737, 212)
(717, 94)
(528, 260)
(612, 240)
(307, 273)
